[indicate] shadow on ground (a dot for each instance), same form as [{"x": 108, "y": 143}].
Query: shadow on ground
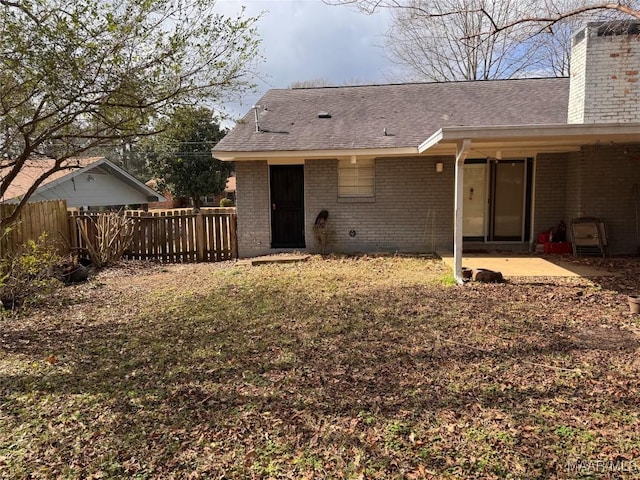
[{"x": 257, "y": 377}]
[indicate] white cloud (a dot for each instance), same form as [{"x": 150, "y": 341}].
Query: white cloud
[{"x": 307, "y": 40}]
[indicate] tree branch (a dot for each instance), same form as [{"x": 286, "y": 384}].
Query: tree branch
[
  {"x": 549, "y": 21},
  {"x": 20, "y": 6}
]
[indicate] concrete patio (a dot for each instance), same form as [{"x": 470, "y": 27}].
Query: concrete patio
[
  {"x": 279, "y": 258},
  {"x": 526, "y": 266}
]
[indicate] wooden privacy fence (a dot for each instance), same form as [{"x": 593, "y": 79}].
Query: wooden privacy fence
[
  {"x": 170, "y": 236},
  {"x": 34, "y": 220}
]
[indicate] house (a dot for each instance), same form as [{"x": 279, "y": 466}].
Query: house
[
  {"x": 435, "y": 166},
  {"x": 169, "y": 202},
  {"x": 229, "y": 193},
  {"x": 92, "y": 182},
  {"x": 183, "y": 202}
]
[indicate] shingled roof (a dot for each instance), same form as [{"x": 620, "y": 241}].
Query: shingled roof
[
  {"x": 35, "y": 167},
  {"x": 289, "y": 118}
]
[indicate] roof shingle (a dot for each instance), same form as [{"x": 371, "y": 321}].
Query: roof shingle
[{"x": 410, "y": 113}]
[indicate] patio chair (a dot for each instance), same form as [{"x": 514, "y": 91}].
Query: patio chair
[{"x": 589, "y": 236}]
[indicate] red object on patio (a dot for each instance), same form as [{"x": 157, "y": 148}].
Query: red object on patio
[
  {"x": 543, "y": 237},
  {"x": 558, "y": 247}
]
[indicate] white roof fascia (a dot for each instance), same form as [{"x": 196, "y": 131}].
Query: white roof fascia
[
  {"x": 432, "y": 141},
  {"x": 229, "y": 156},
  {"x": 521, "y": 135},
  {"x": 551, "y": 138},
  {"x": 133, "y": 181}
]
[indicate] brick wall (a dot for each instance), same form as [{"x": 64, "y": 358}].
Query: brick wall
[
  {"x": 610, "y": 178},
  {"x": 599, "y": 181},
  {"x": 413, "y": 206},
  {"x": 573, "y": 195},
  {"x": 578, "y": 60},
  {"x": 550, "y": 191},
  {"x": 605, "y": 76},
  {"x": 412, "y": 210},
  {"x": 252, "y": 202}
]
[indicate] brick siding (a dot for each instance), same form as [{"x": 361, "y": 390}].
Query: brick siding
[
  {"x": 577, "y": 83},
  {"x": 412, "y": 210},
  {"x": 550, "y": 191},
  {"x": 605, "y": 83},
  {"x": 252, "y": 202},
  {"x": 610, "y": 175},
  {"x": 599, "y": 181}
]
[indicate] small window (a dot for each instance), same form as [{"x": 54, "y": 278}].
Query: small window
[{"x": 356, "y": 179}]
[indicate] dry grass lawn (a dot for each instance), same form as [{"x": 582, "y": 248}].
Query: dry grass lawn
[{"x": 335, "y": 368}]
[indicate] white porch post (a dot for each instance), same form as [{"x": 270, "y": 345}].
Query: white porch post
[{"x": 461, "y": 154}]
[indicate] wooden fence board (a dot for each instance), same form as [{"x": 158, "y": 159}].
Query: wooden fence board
[
  {"x": 233, "y": 235},
  {"x": 186, "y": 237},
  {"x": 179, "y": 235},
  {"x": 34, "y": 220},
  {"x": 219, "y": 248},
  {"x": 171, "y": 236},
  {"x": 170, "y": 246},
  {"x": 224, "y": 231}
]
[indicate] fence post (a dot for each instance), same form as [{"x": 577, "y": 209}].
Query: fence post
[
  {"x": 72, "y": 229},
  {"x": 233, "y": 234},
  {"x": 200, "y": 240}
]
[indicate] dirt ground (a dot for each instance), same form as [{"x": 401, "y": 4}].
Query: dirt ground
[{"x": 339, "y": 367}]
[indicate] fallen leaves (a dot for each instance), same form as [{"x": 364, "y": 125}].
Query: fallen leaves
[{"x": 346, "y": 368}]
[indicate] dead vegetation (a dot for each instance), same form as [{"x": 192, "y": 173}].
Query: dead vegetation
[{"x": 338, "y": 368}]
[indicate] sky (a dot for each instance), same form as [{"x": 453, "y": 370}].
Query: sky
[{"x": 308, "y": 40}]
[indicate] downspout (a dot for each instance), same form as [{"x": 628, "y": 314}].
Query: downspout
[{"x": 461, "y": 154}]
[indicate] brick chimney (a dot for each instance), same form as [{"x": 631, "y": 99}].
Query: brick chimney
[{"x": 605, "y": 73}]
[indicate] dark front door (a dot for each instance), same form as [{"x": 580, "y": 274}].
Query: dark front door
[{"x": 287, "y": 206}]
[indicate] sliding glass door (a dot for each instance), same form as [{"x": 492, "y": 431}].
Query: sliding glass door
[
  {"x": 508, "y": 184},
  {"x": 497, "y": 200}
]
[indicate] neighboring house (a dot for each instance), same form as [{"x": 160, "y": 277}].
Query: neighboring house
[
  {"x": 169, "y": 202},
  {"x": 229, "y": 192},
  {"x": 183, "y": 202},
  {"x": 84, "y": 182},
  {"x": 230, "y": 189},
  {"x": 419, "y": 167}
]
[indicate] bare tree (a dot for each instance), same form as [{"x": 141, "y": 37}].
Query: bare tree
[
  {"x": 314, "y": 82},
  {"x": 553, "y": 43},
  {"x": 454, "y": 44},
  {"x": 323, "y": 82},
  {"x": 483, "y": 39},
  {"x": 543, "y": 13}
]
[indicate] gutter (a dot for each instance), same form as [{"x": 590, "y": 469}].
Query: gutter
[
  {"x": 232, "y": 156},
  {"x": 432, "y": 141},
  {"x": 552, "y": 137},
  {"x": 532, "y": 132}
]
